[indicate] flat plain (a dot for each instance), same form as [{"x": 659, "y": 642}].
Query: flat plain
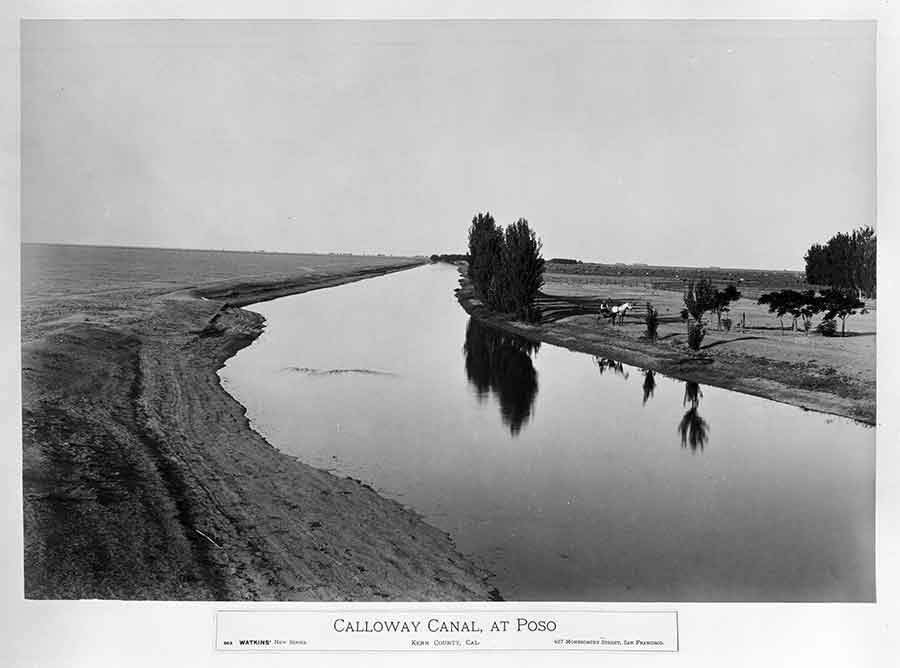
[
  {"x": 765, "y": 357},
  {"x": 142, "y": 478}
]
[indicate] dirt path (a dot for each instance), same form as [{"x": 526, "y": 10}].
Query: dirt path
[
  {"x": 791, "y": 371},
  {"x": 143, "y": 479}
]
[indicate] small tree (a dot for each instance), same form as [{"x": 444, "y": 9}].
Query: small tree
[
  {"x": 699, "y": 297},
  {"x": 723, "y": 300},
  {"x": 783, "y": 302},
  {"x": 652, "y": 322},
  {"x": 808, "y": 305},
  {"x": 840, "y": 303}
]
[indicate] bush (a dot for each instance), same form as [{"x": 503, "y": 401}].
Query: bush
[
  {"x": 827, "y": 328},
  {"x": 652, "y": 322},
  {"x": 696, "y": 332},
  {"x": 451, "y": 258},
  {"x": 840, "y": 303}
]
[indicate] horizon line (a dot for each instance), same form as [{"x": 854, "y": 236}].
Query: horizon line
[{"x": 383, "y": 254}]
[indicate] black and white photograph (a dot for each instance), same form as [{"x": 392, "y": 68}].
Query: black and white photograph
[{"x": 449, "y": 311}]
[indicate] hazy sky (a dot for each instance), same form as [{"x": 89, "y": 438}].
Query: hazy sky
[{"x": 695, "y": 143}]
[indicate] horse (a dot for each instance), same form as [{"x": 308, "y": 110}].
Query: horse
[{"x": 616, "y": 312}]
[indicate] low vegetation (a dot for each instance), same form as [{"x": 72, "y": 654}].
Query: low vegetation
[
  {"x": 696, "y": 333},
  {"x": 451, "y": 258}
]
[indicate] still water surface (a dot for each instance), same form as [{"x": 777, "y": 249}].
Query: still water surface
[{"x": 568, "y": 476}]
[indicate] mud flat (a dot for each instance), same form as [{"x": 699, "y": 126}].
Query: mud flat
[
  {"x": 831, "y": 375},
  {"x": 142, "y": 476}
]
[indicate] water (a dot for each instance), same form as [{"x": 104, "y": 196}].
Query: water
[{"x": 569, "y": 477}]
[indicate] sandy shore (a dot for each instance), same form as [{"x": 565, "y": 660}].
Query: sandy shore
[
  {"x": 143, "y": 479},
  {"x": 808, "y": 376}
]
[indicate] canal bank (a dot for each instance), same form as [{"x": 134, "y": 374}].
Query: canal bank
[
  {"x": 802, "y": 383},
  {"x": 567, "y": 476},
  {"x": 144, "y": 480}
]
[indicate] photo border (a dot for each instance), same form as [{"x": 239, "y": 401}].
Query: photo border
[{"x": 89, "y": 633}]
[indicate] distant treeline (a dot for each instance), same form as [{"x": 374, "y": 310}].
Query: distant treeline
[
  {"x": 563, "y": 260},
  {"x": 450, "y": 257},
  {"x": 846, "y": 261}
]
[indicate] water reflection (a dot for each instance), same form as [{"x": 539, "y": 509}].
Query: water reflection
[
  {"x": 605, "y": 364},
  {"x": 694, "y": 430},
  {"x": 583, "y": 501},
  {"x": 500, "y": 362},
  {"x": 649, "y": 384}
]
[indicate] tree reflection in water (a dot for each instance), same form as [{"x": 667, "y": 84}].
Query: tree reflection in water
[
  {"x": 694, "y": 430},
  {"x": 649, "y": 384},
  {"x": 500, "y": 362},
  {"x": 604, "y": 364}
]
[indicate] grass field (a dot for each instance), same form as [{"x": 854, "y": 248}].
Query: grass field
[
  {"x": 751, "y": 282},
  {"x": 830, "y": 374}
]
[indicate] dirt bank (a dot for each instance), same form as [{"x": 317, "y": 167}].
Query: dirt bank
[
  {"x": 810, "y": 372},
  {"x": 143, "y": 479}
]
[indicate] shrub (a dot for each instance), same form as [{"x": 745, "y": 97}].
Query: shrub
[
  {"x": 696, "y": 332},
  {"x": 840, "y": 303},
  {"x": 827, "y": 328},
  {"x": 722, "y": 301},
  {"x": 450, "y": 258},
  {"x": 652, "y": 322}
]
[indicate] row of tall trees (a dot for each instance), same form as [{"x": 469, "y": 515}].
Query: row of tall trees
[
  {"x": 505, "y": 265},
  {"x": 846, "y": 261}
]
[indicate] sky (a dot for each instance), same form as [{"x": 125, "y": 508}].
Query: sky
[{"x": 724, "y": 143}]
